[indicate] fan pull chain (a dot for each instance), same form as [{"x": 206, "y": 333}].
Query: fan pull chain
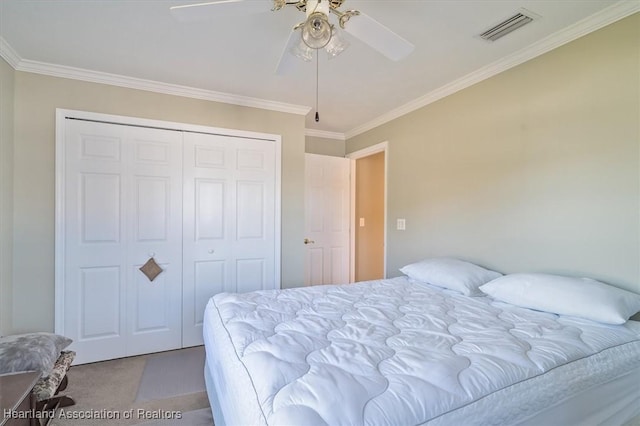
[{"x": 317, "y": 84}]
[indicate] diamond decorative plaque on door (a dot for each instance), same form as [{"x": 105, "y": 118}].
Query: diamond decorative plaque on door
[{"x": 151, "y": 269}]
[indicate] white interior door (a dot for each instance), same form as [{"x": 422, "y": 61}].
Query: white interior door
[
  {"x": 327, "y": 215},
  {"x": 122, "y": 200},
  {"x": 230, "y": 222}
]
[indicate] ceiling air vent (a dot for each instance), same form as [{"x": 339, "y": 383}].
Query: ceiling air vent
[{"x": 518, "y": 20}]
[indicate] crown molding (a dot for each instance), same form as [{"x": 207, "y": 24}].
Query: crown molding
[
  {"x": 9, "y": 55},
  {"x": 324, "y": 134},
  {"x": 598, "y": 20},
  {"x": 581, "y": 28},
  {"x": 19, "y": 64}
]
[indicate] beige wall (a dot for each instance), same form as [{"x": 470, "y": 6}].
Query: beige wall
[
  {"x": 6, "y": 195},
  {"x": 324, "y": 146},
  {"x": 37, "y": 97},
  {"x": 535, "y": 169},
  {"x": 369, "y": 250}
]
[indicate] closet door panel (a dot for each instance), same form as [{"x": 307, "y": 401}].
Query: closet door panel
[
  {"x": 122, "y": 205},
  {"x": 152, "y": 311},
  {"x": 99, "y": 207},
  {"x": 250, "y": 275},
  {"x": 250, "y": 207},
  {"x": 207, "y": 195},
  {"x": 229, "y": 192},
  {"x": 254, "y": 232},
  {"x": 152, "y": 208},
  {"x": 155, "y": 232},
  {"x": 94, "y": 235},
  {"x": 209, "y": 279},
  {"x": 99, "y": 303},
  {"x": 209, "y": 209}
]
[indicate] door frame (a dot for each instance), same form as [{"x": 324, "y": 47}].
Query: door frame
[
  {"x": 353, "y": 156},
  {"x": 63, "y": 114}
]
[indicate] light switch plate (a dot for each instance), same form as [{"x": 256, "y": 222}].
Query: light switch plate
[
  {"x": 401, "y": 224},
  {"x": 361, "y": 221}
]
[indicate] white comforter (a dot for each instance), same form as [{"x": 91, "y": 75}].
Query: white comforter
[{"x": 390, "y": 352}]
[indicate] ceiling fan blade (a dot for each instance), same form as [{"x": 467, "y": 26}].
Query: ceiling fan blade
[
  {"x": 286, "y": 58},
  {"x": 203, "y": 11},
  {"x": 379, "y": 37}
]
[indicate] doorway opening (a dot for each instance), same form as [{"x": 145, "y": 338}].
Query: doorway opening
[{"x": 368, "y": 212}]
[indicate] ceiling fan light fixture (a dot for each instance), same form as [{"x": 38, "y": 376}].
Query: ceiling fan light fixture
[
  {"x": 302, "y": 51},
  {"x": 316, "y": 31},
  {"x": 337, "y": 44}
]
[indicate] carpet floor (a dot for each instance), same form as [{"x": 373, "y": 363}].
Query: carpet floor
[
  {"x": 171, "y": 374},
  {"x": 201, "y": 417},
  {"x": 114, "y": 392}
]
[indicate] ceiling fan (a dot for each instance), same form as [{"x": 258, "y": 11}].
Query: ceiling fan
[{"x": 316, "y": 32}]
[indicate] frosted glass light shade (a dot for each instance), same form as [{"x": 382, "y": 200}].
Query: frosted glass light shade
[
  {"x": 316, "y": 31},
  {"x": 302, "y": 51},
  {"x": 337, "y": 44}
]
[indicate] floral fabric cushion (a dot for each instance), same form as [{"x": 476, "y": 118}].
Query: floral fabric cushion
[
  {"x": 46, "y": 387},
  {"x": 31, "y": 352}
]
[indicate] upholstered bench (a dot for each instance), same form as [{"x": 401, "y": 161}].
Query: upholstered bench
[
  {"x": 47, "y": 389},
  {"x": 44, "y": 353}
]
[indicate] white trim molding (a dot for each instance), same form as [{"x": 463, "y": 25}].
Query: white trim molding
[
  {"x": 9, "y": 55},
  {"x": 324, "y": 134},
  {"x": 62, "y": 71},
  {"x": 581, "y": 28},
  {"x": 607, "y": 16},
  {"x": 370, "y": 150}
]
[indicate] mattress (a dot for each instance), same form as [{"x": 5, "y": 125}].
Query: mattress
[{"x": 395, "y": 351}]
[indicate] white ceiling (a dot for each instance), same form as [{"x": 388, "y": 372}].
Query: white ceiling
[{"x": 238, "y": 55}]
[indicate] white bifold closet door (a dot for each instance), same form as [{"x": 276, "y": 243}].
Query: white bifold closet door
[
  {"x": 123, "y": 205},
  {"x": 229, "y": 225},
  {"x": 202, "y": 205}
]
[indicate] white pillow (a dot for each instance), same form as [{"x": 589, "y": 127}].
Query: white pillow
[
  {"x": 451, "y": 273},
  {"x": 578, "y": 297}
]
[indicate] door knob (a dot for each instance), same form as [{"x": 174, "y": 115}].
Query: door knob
[{"x": 308, "y": 241}]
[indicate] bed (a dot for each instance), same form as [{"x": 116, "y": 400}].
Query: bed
[{"x": 404, "y": 352}]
